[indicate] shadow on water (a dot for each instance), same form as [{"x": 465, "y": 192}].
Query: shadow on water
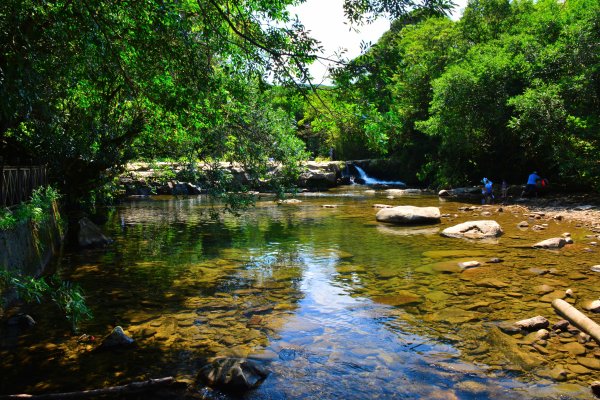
[{"x": 336, "y": 304}]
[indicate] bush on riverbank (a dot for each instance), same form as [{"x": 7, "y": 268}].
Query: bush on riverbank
[
  {"x": 37, "y": 217},
  {"x": 37, "y": 210}
]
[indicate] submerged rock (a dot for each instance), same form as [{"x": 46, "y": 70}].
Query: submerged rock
[
  {"x": 409, "y": 215},
  {"x": 233, "y": 374},
  {"x": 90, "y": 235},
  {"x": 474, "y": 230},
  {"x": 382, "y": 206}
]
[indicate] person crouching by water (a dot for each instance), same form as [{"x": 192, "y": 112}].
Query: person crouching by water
[
  {"x": 504, "y": 190},
  {"x": 487, "y": 191},
  {"x": 531, "y": 187}
]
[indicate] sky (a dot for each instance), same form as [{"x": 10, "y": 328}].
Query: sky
[{"x": 326, "y": 22}]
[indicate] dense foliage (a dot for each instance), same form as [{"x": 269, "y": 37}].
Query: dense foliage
[
  {"x": 36, "y": 211},
  {"x": 511, "y": 87},
  {"x": 88, "y": 86}
]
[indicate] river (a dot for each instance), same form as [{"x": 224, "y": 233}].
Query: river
[{"x": 333, "y": 303}]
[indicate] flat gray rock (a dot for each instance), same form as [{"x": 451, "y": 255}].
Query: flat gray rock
[
  {"x": 553, "y": 243},
  {"x": 409, "y": 215}
]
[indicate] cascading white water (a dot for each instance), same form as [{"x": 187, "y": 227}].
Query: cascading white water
[{"x": 372, "y": 181}]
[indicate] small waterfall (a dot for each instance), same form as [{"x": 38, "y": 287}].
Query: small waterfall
[{"x": 372, "y": 181}]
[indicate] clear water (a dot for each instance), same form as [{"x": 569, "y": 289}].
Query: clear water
[{"x": 335, "y": 304}]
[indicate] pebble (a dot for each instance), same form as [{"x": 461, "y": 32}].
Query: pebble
[{"x": 595, "y": 268}]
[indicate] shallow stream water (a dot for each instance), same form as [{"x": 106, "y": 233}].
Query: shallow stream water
[{"x": 335, "y": 304}]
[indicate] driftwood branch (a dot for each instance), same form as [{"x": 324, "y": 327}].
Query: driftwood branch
[
  {"x": 134, "y": 387},
  {"x": 577, "y": 318}
]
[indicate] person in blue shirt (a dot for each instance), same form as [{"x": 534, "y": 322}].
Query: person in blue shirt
[
  {"x": 531, "y": 187},
  {"x": 487, "y": 191}
]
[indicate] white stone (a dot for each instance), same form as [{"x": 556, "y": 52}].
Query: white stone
[
  {"x": 409, "y": 215},
  {"x": 474, "y": 230}
]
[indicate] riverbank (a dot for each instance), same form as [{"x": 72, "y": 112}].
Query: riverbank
[{"x": 581, "y": 208}]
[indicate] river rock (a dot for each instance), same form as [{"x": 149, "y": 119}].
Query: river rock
[
  {"x": 593, "y": 306},
  {"x": 474, "y": 230},
  {"x": 117, "y": 338},
  {"x": 595, "y": 268},
  {"x": 533, "y": 324},
  {"x": 409, "y": 215},
  {"x": 236, "y": 375},
  {"x": 90, "y": 235},
  {"x": 443, "y": 193},
  {"x": 509, "y": 327},
  {"x": 559, "y": 374},
  {"x": 382, "y": 206},
  {"x": 573, "y": 348},
  {"x": 588, "y": 362},
  {"x": 400, "y": 298},
  {"x": 595, "y": 386},
  {"x": 469, "y": 264},
  {"x": 289, "y": 201},
  {"x": 523, "y": 224},
  {"x": 553, "y": 243},
  {"x": 561, "y": 325},
  {"x": 22, "y": 320}
]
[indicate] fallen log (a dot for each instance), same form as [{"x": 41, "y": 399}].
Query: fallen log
[
  {"x": 577, "y": 318},
  {"x": 131, "y": 388}
]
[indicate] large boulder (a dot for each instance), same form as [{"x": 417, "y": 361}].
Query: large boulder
[
  {"x": 474, "y": 230},
  {"x": 90, "y": 234},
  {"x": 409, "y": 215},
  {"x": 236, "y": 375}
]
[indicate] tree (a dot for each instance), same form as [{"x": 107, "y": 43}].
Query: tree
[{"x": 87, "y": 86}]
